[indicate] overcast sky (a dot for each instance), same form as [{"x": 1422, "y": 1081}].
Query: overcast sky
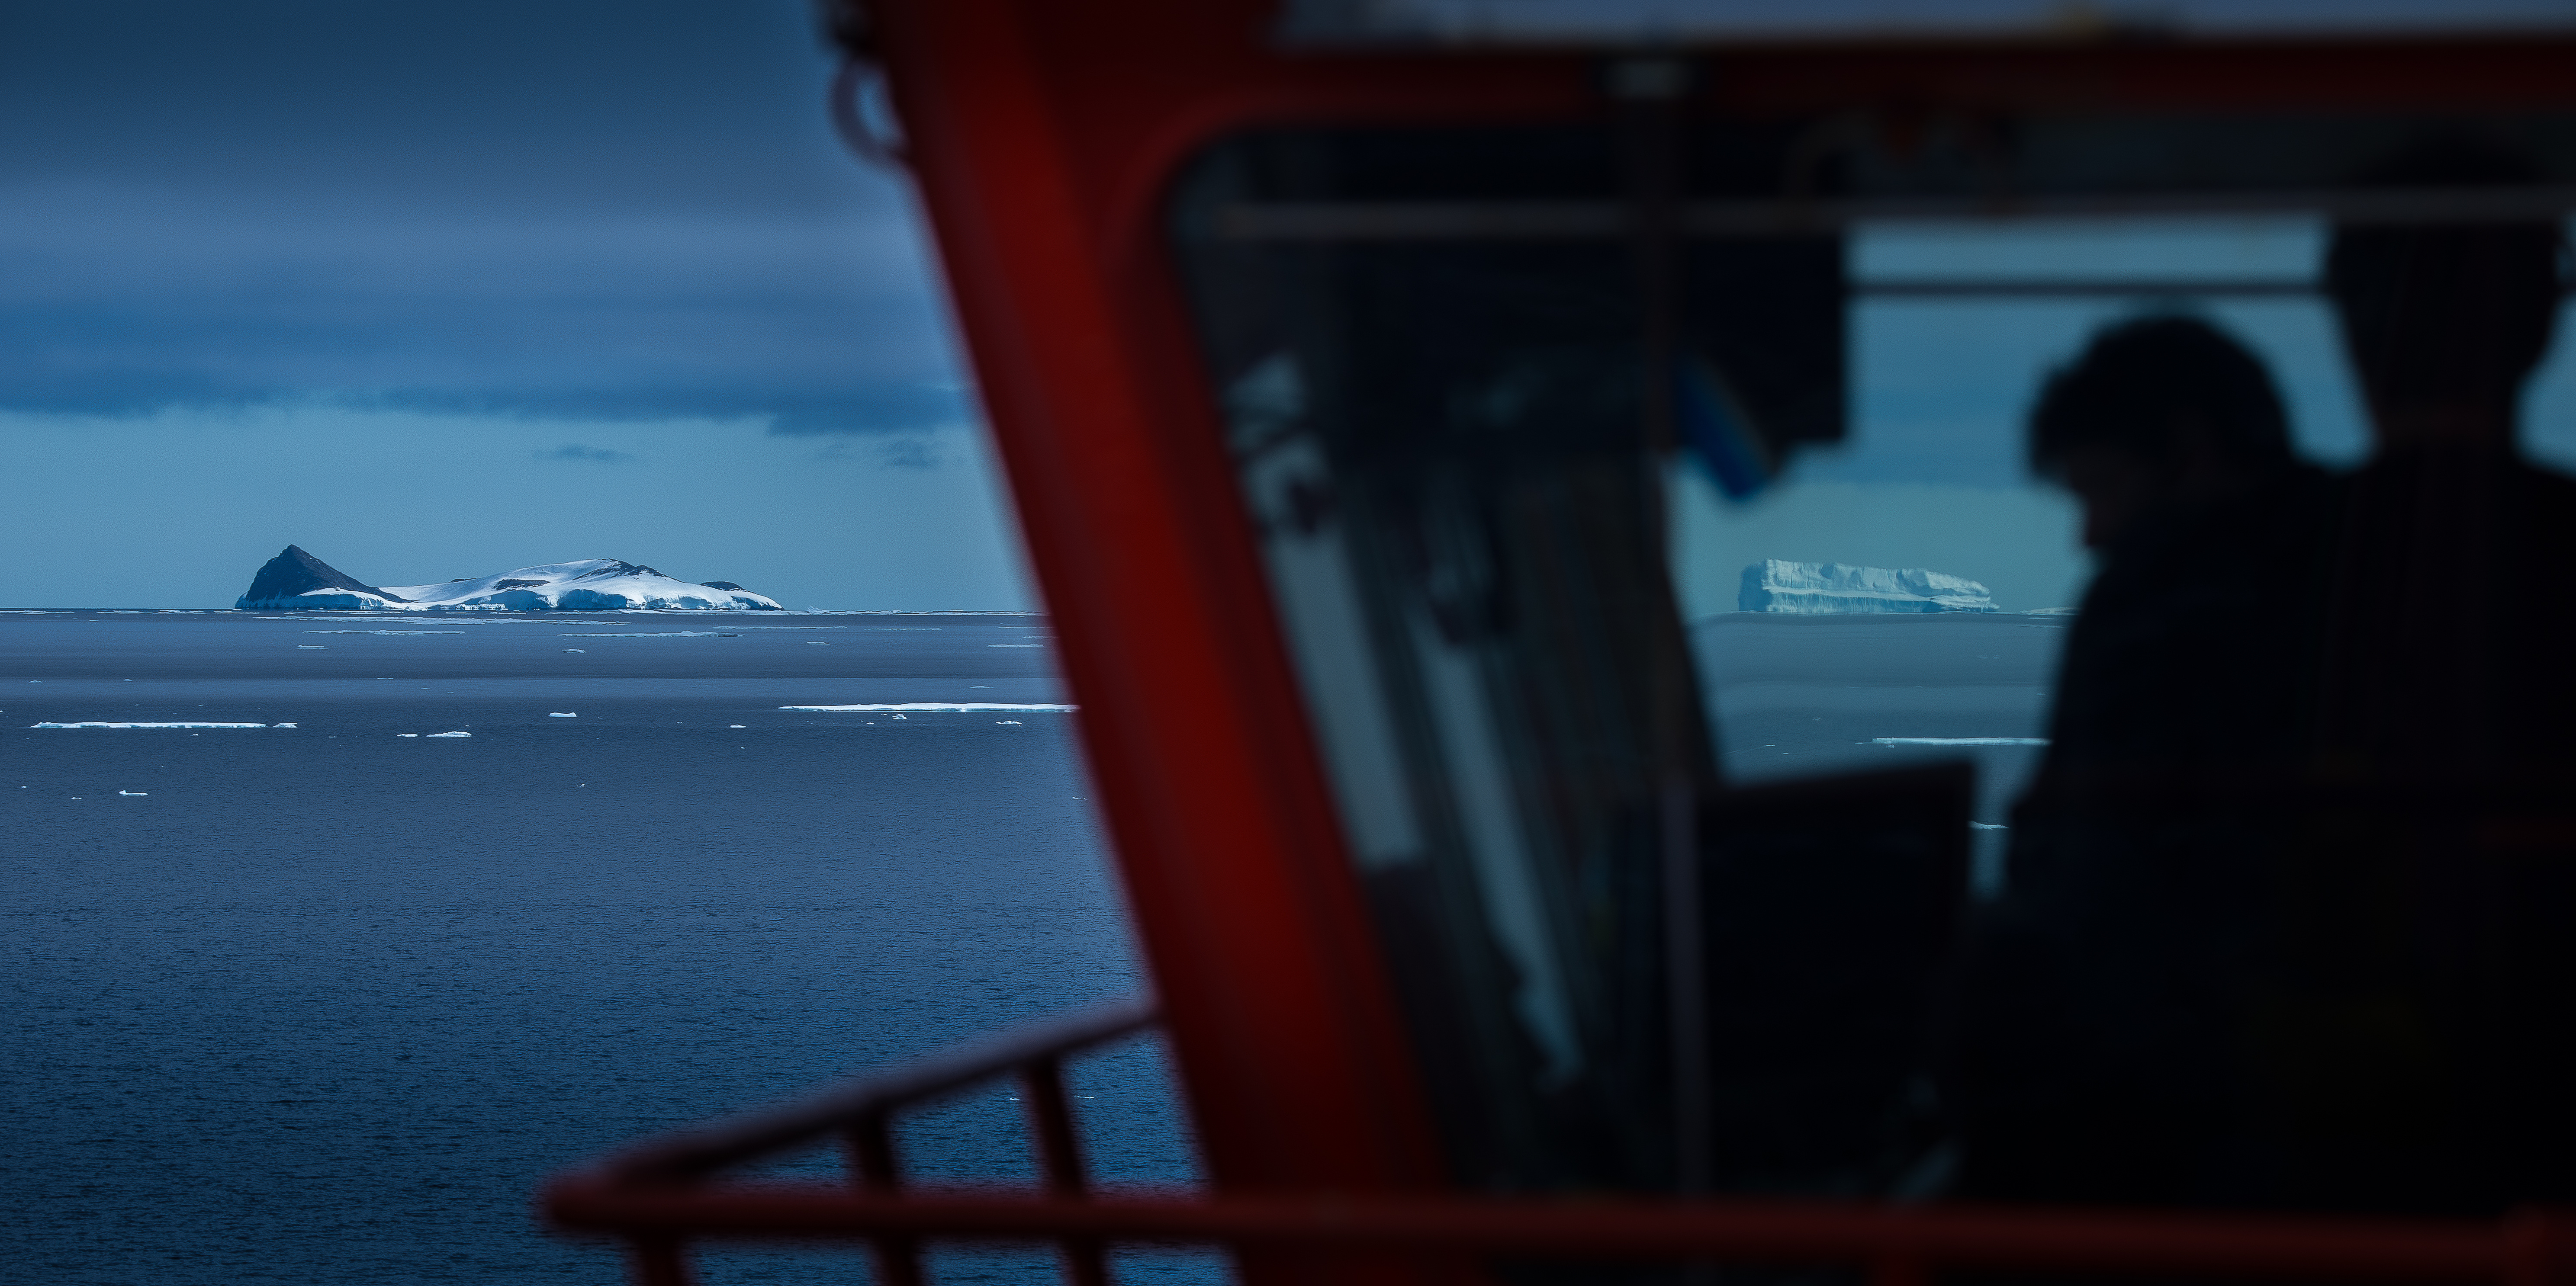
[{"x": 435, "y": 290}]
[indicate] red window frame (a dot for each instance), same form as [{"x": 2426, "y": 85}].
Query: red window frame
[{"x": 1043, "y": 134}]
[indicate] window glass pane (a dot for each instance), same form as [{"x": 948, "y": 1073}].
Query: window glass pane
[{"x": 1676, "y": 611}]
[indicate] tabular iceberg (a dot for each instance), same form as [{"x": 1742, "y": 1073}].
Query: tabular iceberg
[
  {"x": 1816, "y": 589},
  {"x": 296, "y": 579}
]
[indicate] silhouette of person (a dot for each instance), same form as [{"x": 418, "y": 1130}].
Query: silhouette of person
[
  {"x": 2095, "y": 1058},
  {"x": 2412, "y": 1035}
]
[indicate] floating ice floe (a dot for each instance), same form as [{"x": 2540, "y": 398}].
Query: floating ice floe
[
  {"x": 312, "y": 647},
  {"x": 666, "y": 634},
  {"x": 435, "y": 735},
  {"x": 146, "y": 725},
  {"x": 563, "y": 714},
  {"x": 816, "y": 643},
  {"x": 1006, "y": 723},
  {"x": 733, "y": 725},
  {"x": 574, "y": 650},
  {"x": 1015, "y": 645},
  {"x": 393, "y": 632},
  {"x": 1988, "y": 826},
  {"x": 968, "y": 707},
  {"x": 135, "y": 794},
  {"x": 406, "y": 734},
  {"x": 281, "y": 725},
  {"x": 1958, "y": 741}
]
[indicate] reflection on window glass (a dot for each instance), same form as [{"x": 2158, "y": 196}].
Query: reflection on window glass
[
  {"x": 1677, "y": 619},
  {"x": 1933, "y": 476}
]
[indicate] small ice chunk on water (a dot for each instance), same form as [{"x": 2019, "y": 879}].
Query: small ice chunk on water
[
  {"x": 135, "y": 794},
  {"x": 563, "y": 714},
  {"x": 733, "y": 725},
  {"x": 312, "y": 647},
  {"x": 1008, "y": 723},
  {"x": 406, "y": 734},
  {"x": 574, "y": 650},
  {"x": 282, "y": 725},
  {"x": 1988, "y": 826},
  {"x": 1958, "y": 741},
  {"x": 436, "y": 735},
  {"x": 816, "y": 643}
]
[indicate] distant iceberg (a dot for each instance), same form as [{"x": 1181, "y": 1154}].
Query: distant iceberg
[
  {"x": 1818, "y": 589},
  {"x": 296, "y": 580}
]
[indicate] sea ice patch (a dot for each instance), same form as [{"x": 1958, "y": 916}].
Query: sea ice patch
[
  {"x": 146, "y": 725},
  {"x": 563, "y": 714},
  {"x": 435, "y": 735},
  {"x": 1958, "y": 741},
  {"x": 968, "y": 707}
]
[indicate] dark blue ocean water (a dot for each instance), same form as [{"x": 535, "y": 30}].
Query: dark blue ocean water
[{"x": 327, "y": 1004}]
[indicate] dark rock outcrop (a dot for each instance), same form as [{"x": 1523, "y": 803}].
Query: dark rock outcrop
[
  {"x": 724, "y": 584},
  {"x": 294, "y": 573}
]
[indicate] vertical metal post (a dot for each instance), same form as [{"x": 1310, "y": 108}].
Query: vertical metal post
[
  {"x": 873, "y": 1166},
  {"x": 1896, "y": 1269},
  {"x": 2535, "y": 1244},
  {"x": 1060, "y": 1159},
  {"x": 660, "y": 1261},
  {"x": 1649, "y": 91},
  {"x": 1686, "y": 986}
]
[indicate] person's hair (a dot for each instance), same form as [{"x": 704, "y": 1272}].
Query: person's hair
[
  {"x": 2138, "y": 381},
  {"x": 2448, "y": 313}
]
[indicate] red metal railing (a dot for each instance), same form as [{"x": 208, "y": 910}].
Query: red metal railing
[{"x": 659, "y": 1197}]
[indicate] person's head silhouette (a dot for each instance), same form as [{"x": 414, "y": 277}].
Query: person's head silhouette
[
  {"x": 2156, "y": 411},
  {"x": 2445, "y": 321}
]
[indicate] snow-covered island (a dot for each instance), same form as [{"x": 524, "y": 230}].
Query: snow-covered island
[
  {"x": 1816, "y": 589},
  {"x": 297, "y": 580}
]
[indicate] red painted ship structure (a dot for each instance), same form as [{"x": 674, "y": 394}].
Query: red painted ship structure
[{"x": 1309, "y": 336}]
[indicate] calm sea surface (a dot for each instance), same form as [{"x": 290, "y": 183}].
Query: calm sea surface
[{"x": 326, "y": 1004}]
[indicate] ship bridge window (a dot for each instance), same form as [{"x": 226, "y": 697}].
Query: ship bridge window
[{"x": 1674, "y": 605}]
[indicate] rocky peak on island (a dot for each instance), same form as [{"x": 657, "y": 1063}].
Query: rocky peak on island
[{"x": 298, "y": 580}]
